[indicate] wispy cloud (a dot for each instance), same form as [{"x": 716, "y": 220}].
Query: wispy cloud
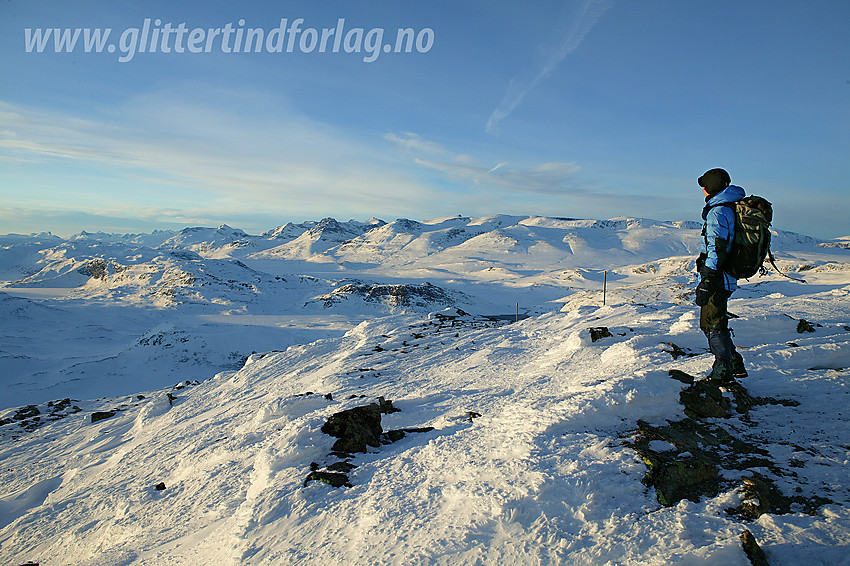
[
  {"x": 236, "y": 152},
  {"x": 571, "y": 32},
  {"x": 414, "y": 142},
  {"x": 546, "y": 178}
]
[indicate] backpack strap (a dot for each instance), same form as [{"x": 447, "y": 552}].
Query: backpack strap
[{"x": 773, "y": 263}]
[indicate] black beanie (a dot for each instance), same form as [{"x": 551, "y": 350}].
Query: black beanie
[{"x": 714, "y": 181}]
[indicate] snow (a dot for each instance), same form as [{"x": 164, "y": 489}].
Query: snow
[{"x": 525, "y": 462}]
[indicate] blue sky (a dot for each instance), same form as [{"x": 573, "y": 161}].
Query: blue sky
[{"x": 580, "y": 108}]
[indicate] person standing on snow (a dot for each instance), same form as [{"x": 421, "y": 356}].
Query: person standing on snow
[{"x": 716, "y": 286}]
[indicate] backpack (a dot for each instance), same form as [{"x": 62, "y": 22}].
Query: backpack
[{"x": 751, "y": 242}]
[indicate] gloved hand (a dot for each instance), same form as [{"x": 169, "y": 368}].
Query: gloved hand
[{"x": 710, "y": 282}]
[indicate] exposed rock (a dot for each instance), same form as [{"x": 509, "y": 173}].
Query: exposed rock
[
  {"x": 677, "y": 352},
  {"x": 59, "y": 405},
  {"x": 704, "y": 399},
  {"x": 101, "y": 415},
  {"x": 343, "y": 467},
  {"x": 160, "y": 486},
  {"x": 359, "y": 427},
  {"x": 687, "y": 478},
  {"x": 333, "y": 479},
  {"x": 26, "y": 412},
  {"x": 700, "y": 450},
  {"x": 392, "y": 436},
  {"x": 395, "y": 435},
  {"x": 676, "y": 474},
  {"x": 691, "y": 470},
  {"x": 743, "y": 400},
  {"x": 760, "y": 495},
  {"x": 31, "y": 417},
  {"x": 96, "y": 269},
  {"x": 599, "y": 332},
  {"x": 424, "y": 295},
  {"x": 804, "y": 325},
  {"x": 753, "y": 550}
]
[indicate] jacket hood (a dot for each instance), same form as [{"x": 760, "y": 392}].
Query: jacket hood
[{"x": 732, "y": 193}]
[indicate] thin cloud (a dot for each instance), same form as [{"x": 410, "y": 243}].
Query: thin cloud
[
  {"x": 466, "y": 170},
  {"x": 169, "y": 148},
  {"x": 547, "y": 178},
  {"x": 587, "y": 15},
  {"x": 414, "y": 142}
]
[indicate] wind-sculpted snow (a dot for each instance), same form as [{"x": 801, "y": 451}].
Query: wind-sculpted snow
[
  {"x": 513, "y": 442},
  {"x": 520, "y": 455}
]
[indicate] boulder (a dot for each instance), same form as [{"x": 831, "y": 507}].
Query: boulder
[
  {"x": 359, "y": 427},
  {"x": 101, "y": 415},
  {"x": 753, "y": 550},
  {"x": 599, "y": 332}
]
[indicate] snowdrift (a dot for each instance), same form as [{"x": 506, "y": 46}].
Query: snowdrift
[{"x": 492, "y": 440}]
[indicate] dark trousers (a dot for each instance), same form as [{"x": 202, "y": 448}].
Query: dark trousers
[{"x": 714, "y": 322}]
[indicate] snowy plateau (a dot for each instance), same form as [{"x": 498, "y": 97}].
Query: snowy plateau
[{"x": 500, "y": 390}]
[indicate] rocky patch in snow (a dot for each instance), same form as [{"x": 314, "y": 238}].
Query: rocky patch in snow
[
  {"x": 693, "y": 457},
  {"x": 30, "y": 417},
  {"x": 357, "y": 429},
  {"x": 422, "y": 297}
]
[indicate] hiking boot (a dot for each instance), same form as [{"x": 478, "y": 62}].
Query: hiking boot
[
  {"x": 738, "y": 369},
  {"x": 721, "y": 372}
]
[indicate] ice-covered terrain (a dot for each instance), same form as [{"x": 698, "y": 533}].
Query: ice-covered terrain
[{"x": 528, "y": 442}]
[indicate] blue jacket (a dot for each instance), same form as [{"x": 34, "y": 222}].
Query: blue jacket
[{"x": 720, "y": 223}]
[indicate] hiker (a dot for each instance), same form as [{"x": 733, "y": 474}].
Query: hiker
[{"x": 716, "y": 286}]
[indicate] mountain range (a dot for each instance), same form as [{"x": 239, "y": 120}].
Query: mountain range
[{"x": 182, "y": 397}]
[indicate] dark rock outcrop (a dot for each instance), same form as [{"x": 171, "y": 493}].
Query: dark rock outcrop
[
  {"x": 333, "y": 479},
  {"x": 677, "y": 351},
  {"x": 599, "y": 332},
  {"x": 689, "y": 460},
  {"x": 704, "y": 399},
  {"x": 359, "y": 427},
  {"x": 101, "y": 415},
  {"x": 753, "y": 550},
  {"x": 96, "y": 269},
  {"x": 691, "y": 469},
  {"x": 760, "y": 495},
  {"x": 424, "y": 295}
]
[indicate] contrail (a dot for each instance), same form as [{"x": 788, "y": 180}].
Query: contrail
[{"x": 588, "y": 14}]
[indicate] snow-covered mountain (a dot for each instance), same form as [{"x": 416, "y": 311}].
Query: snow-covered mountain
[
  {"x": 556, "y": 439},
  {"x": 205, "y": 280}
]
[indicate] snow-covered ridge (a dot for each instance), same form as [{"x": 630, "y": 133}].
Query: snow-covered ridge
[
  {"x": 330, "y": 240},
  {"x": 511, "y": 443},
  {"x": 519, "y": 450}
]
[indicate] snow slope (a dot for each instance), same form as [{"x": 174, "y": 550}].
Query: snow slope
[{"x": 519, "y": 453}]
